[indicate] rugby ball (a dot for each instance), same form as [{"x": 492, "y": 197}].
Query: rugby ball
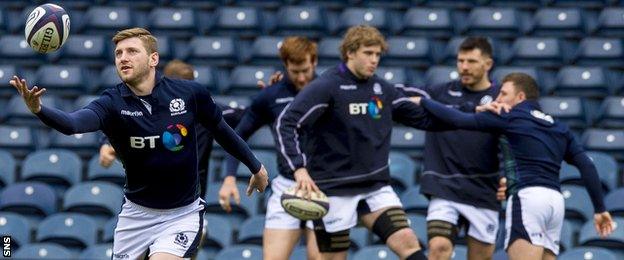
[
  {"x": 47, "y": 28},
  {"x": 299, "y": 207}
]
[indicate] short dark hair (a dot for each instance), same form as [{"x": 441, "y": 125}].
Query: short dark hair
[
  {"x": 480, "y": 43},
  {"x": 525, "y": 83},
  {"x": 178, "y": 69}
]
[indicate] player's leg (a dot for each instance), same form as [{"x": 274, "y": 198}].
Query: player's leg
[
  {"x": 132, "y": 236},
  {"x": 278, "y": 244},
  {"x": 481, "y": 232},
  {"x": 332, "y": 231},
  {"x": 179, "y": 233},
  {"x": 548, "y": 255},
  {"x": 385, "y": 217},
  {"x": 479, "y": 250},
  {"x": 165, "y": 256},
  {"x": 442, "y": 229},
  {"x": 311, "y": 246},
  {"x": 522, "y": 249}
]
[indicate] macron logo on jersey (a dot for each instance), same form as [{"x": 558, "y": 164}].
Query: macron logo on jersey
[
  {"x": 131, "y": 113},
  {"x": 348, "y": 87}
]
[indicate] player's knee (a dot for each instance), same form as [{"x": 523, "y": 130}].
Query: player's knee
[
  {"x": 389, "y": 222},
  {"x": 440, "y": 246},
  {"x": 332, "y": 242}
]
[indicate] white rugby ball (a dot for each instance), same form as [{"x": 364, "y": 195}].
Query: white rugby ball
[
  {"x": 47, "y": 28},
  {"x": 299, "y": 207}
]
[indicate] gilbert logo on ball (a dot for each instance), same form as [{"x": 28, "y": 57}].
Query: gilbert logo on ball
[{"x": 47, "y": 28}]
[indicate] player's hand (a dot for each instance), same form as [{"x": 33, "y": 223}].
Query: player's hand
[
  {"x": 502, "y": 189},
  {"x": 107, "y": 155},
  {"x": 416, "y": 99},
  {"x": 258, "y": 181},
  {"x": 228, "y": 189},
  {"x": 304, "y": 183},
  {"x": 32, "y": 97},
  {"x": 277, "y": 76},
  {"x": 603, "y": 224},
  {"x": 494, "y": 107}
]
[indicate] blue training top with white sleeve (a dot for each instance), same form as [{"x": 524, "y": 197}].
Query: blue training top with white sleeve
[
  {"x": 538, "y": 144},
  {"x": 155, "y": 137},
  {"x": 348, "y": 122}
]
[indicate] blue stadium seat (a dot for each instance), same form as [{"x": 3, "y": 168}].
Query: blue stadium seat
[
  {"x": 243, "y": 80},
  {"x": 605, "y": 164},
  {"x": 614, "y": 202},
  {"x": 329, "y": 51},
  {"x": 249, "y": 206},
  {"x": 402, "y": 171},
  {"x": 440, "y": 74},
  {"x": 98, "y": 199},
  {"x": 265, "y": 51},
  {"x": 16, "y": 226},
  {"x": 85, "y": 145},
  {"x": 545, "y": 83},
  {"x": 301, "y": 20},
  {"x": 570, "y": 110},
  {"x": 397, "y": 4},
  {"x": 6, "y": 73},
  {"x": 569, "y": 232},
  {"x": 97, "y": 251},
  {"x": 395, "y": 75},
  {"x": 418, "y": 223},
  {"x": 248, "y": 252},
  {"x": 611, "y": 113},
  {"x": 408, "y": 140},
  {"x": 525, "y": 4},
  {"x": 34, "y": 200},
  {"x": 495, "y": 22},
  {"x": 58, "y": 167},
  {"x": 174, "y": 22},
  {"x": 243, "y": 21},
  {"x": 580, "y": 3},
  {"x": 241, "y": 102},
  {"x": 17, "y": 113},
  {"x": 428, "y": 22},
  {"x": 375, "y": 252},
  {"x": 64, "y": 80},
  {"x": 413, "y": 201},
  {"x": 108, "y": 230},
  {"x": 301, "y": 252},
  {"x": 108, "y": 79},
  {"x": 208, "y": 77},
  {"x": 262, "y": 139},
  {"x": 198, "y": 4},
  {"x": 83, "y": 101},
  {"x": 583, "y": 81},
  {"x": 114, "y": 174},
  {"x": 72, "y": 230},
  {"x": 577, "y": 203},
  {"x": 218, "y": 233},
  {"x": 165, "y": 49},
  {"x": 18, "y": 140},
  {"x": 459, "y": 252},
  {"x": 217, "y": 51},
  {"x": 266, "y": 4},
  {"x": 600, "y": 52},
  {"x": 330, "y": 4},
  {"x": 587, "y": 253},
  {"x": 359, "y": 237},
  {"x": 589, "y": 237},
  {"x": 536, "y": 51},
  {"x": 609, "y": 141},
  {"x": 7, "y": 171},
  {"x": 558, "y": 22},
  {"x": 267, "y": 158},
  {"x": 352, "y": 16},
  {"x": 610, "y": 23},
  {"x": 107, "y": 20},
  {"x": 410, "y": 51},
  {"x": 500, "y": 254},
  {"x": 15, "y": 50},
  {"x": 85, "y": 50},
  {"x": 250, "y": 231},
  {"x": 43, "y": 251}
]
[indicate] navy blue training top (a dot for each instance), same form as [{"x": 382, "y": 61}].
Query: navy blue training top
[
  {"x": 452, "y": 169},
  {"x": 538, "y": 145},
  {"x": 348, "y": 123},
  {"x": 155, "y": 137}
]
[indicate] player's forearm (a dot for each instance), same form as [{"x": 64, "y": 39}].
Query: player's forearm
[
  {"x": 235, "y": 146},
  {"x": 450, "y": 116},
  {"x": 244, "y": 129},
  {"x": 81, "y": 121},
  {"x": 589, "y": 174}
]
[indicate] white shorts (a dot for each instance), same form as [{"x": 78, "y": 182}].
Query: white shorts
[
  {"x": 343, "y": 210},
  {"x": 175, "y": 231},
  {"x": 536, "y": 215},
  {"x": 276, "y": 217},
  {"x": 483, "y": 223}
]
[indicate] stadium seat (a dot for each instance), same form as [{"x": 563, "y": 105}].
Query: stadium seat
[
  {"x": 16, "y": 226},
  {"x": 17, "y": 113},
  {"x": 85, "y": 145},
  {"x": 495, "y": 22},
  {"x": 329, "y": 4},
  {"x": 266, "y": 4},
  {"x": 413, "y": 201},
  {"x": 301, "y": 20},
  {"x": 537, "y": 51},
  {"x": 250, "y": 231},
  {"x": 544, "y": 81},
  {"x": 583, "y": 81},
  {"x": 609, "y": 141},
  {"x": 15, "y": 50},
  {"x": 108, "y": 230},
  {"x": 580, "y": 3},
  {"x": 408, "y": 140},
  {"x": 569, "y": 232},
  {"x": 218, "y": 233},
  {"x": 208, "y": 77},
  {"x": 265, "y": 51},
  {"x": 352, "y": 16},
  {"x": 402, "y": 171},
  {"x": 43, "y": 251},
  {"x": 107, "y": 20},
  {"x": 18, "y": 140},
  {"x": 609, "y": 22},
  {"x": 213, "y": 50},
  {"x": 262, "y": 139},
  {"x": 428, "y": 22},
  {"x": 165, "y": 49},
  {"x": 394, "y": 75},
  {"x": 248, "y": 252},
  {"x": 459, "y": 252},
  {"x": 174, "y": 22},
  {"x": 329, "y": 51},
  {"x": 34, "y": 200},
  {"x": 6, "y": 74},
  {"x": 605, "y": 164},
  {"x": 375, "y": 252},
  {"x": 249, "y": 206},
  {"x": 197, "y": 4},
  {"x": 98, "y": 199},
  {"x": 72, "y": 230},
  {"x": 244, "y": 79},
  {"x": 611, "y": 113},
  {"x": 85, "y": 50},
  {"x": 600, "y": 52},
  {"x": 108, "y": 79},
  {"x": 418, "y": 223},
  {"x": 577, "y": 203},
  {"x": 244, "y": 21},
  {"x": 58, "y": 167},
  {"x": 97, "y": 251},
  {"x": 267, "y": 158},
  {"x": 300, "y": 252},
  {"x": 114, "y": 174},
  {"x": 614, "y": 202},
  {"x": 588, "y": 253},
  {"x": 7, "y": 171},
  {"x": 440, "y": 74},
  {"x": 589, "y": 237},
  {"x": 64, "y": 80},
  {"x": 570, "y": 110},
  {"x": 500, "y": 254},
  {"x": 558, "y": 22},
  {"x": 83, "y": 101},
  {"x": 359, "y": 237},
  {"x": 410, "y": 52}
]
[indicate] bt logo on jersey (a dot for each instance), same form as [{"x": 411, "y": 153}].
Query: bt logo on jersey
[
  {"x": 139, "y": 142},
  {"x": 372, "y": 108}
]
